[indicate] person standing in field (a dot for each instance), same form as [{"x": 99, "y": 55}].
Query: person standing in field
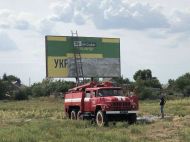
[{"x": 162, "y": 103}]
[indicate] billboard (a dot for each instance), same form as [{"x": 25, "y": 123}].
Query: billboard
[{"x": 100, "y": 57}]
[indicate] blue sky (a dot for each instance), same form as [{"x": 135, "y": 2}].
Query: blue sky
[{"x": 155, "y": 34}]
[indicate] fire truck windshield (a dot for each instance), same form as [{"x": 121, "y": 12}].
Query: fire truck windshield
[{"x": 110, "y": 92}]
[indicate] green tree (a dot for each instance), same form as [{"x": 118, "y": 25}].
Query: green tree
[
  {"x": 5, "y": 76},
  {"x": 48, "y": 86},
  {"x": 183, "y": 81},
  {"x": 144, "y": 78},
  {"x": 181, "y": 84},
  {"x": 11, "y": 78},
  {"x": 171, "y": 83},
  {"x": 143, "y": 75},
  {"x": 2, "y": 90},
  {"x": 147, "y": 86},
  {"x": 186, "y": 91},
  {"x": 22, "y": 94},
  {"x": 37, "y": 90},
  {"x": 121, "y": 80}
]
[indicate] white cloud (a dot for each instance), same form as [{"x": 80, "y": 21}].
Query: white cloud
[
  {"x": 45, "y": 26},
  {"x": 5, "y": 18},
  {"x": 25, "y": 21},
  {"x": 120, "y": 14},
  {"x": 178, "y": 32},
  {"x": 6, "y": 43},
  {"x": 136, "y": 16},
  {"x": 110, "y": 14},
  {"x": 22, "y": 25},
  {"x": 104, "y": 14},
  {"x": 180, "y": 21},
  {"x": 10, "y": 19},
  {"x": 79, "y": 19},
  {"x": 63, "y": 11}
]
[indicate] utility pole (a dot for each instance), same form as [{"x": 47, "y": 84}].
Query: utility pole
[{"x": 29, "y": 81}]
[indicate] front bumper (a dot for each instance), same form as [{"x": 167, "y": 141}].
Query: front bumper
[{"x": 122, "y": 112}]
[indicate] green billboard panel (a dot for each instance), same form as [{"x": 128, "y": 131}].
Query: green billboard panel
[{"x": 100, "y": 57}]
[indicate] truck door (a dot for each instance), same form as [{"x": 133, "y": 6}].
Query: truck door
[
  {"x": 93, "y": 100},
  {"x": 87, "y": 101}
]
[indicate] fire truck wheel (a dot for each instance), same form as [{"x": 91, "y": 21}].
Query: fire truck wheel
[
  {"x": 73, "y": 115},
  {"x": 132, "y": 118},
  {"x": 101, "y": 119}
]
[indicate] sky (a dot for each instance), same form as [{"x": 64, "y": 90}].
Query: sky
[{"x": 154, "y": 34}]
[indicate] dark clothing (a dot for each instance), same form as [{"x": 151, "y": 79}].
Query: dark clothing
[
  {"x": 162, "y": 108},
  {"x": 162, "y": 101}
]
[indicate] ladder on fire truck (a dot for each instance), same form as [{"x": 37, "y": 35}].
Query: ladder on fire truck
[{"x": 77, "y": 58}]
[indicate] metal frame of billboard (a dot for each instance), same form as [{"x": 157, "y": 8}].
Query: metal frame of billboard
[{"x": 88, "y": 57}]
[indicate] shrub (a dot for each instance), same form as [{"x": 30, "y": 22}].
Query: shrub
[
  {"x": 148, "y": 93},
  {"x": 2, "y": 90},
  {"x": 37, "y": 90},
  {"x": 21, "y": 94},
  {"x": 186, "y": 91}
]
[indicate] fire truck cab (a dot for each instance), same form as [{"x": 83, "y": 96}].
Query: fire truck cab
[{"x": 102, "y": 102}]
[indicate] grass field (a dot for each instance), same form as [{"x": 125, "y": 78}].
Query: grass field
[{"x": 42, "y": 119}]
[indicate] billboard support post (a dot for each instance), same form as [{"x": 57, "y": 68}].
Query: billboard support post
[{"x": 92, "y": 78}]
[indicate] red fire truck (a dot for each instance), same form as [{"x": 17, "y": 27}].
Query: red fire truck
[{"x": 101, "y": 102}]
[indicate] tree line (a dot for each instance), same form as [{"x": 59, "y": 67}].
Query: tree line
[
  {"x": 12, "y": 88},
  {"x": 145, "y": 85}
]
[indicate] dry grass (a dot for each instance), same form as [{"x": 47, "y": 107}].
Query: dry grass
[{"x": 42, "y": 119}]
